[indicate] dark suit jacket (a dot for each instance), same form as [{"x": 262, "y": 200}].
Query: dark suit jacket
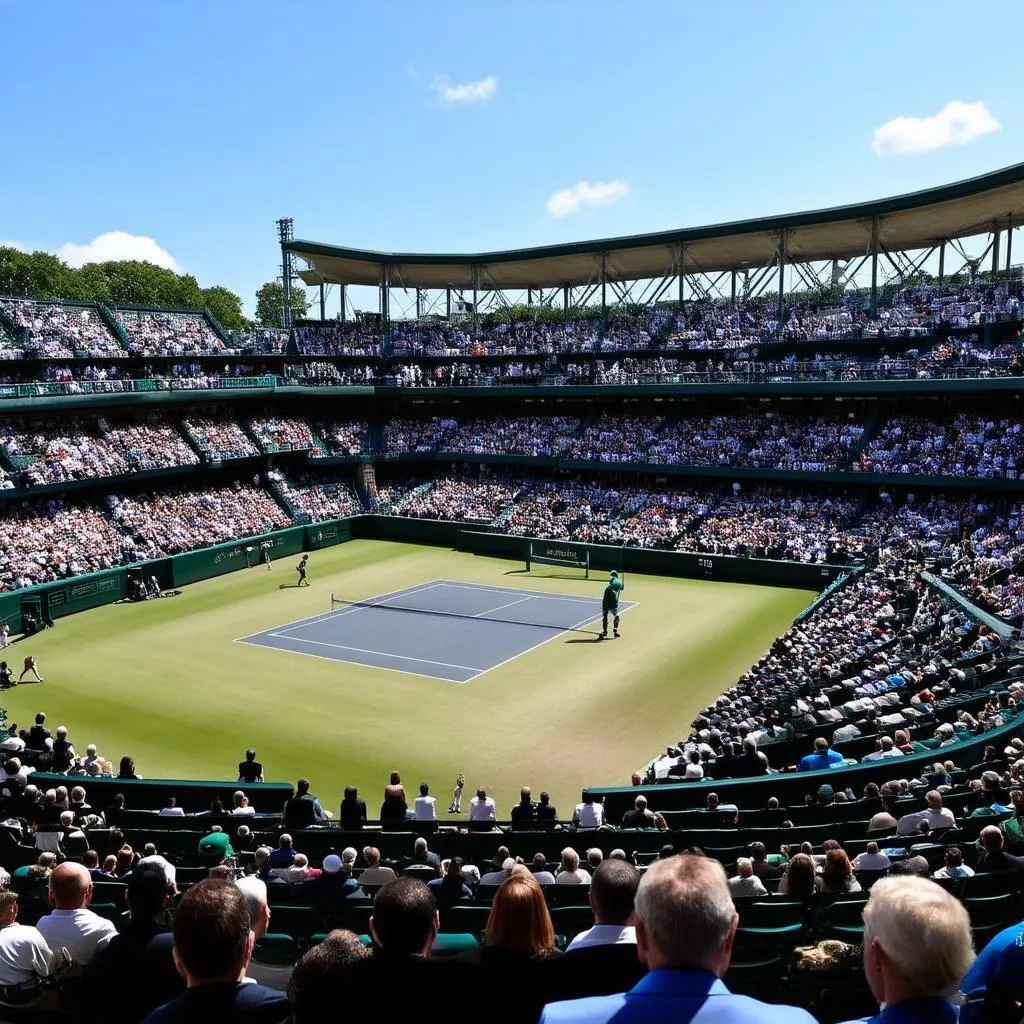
[
  {"x": 595, "y": 971},
  {"x": 225, "y": 1004}
]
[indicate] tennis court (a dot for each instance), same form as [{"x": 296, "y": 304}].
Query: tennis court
[{"x": 444, "y": 629}]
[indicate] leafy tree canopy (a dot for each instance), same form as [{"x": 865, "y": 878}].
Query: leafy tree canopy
[
  {"x": 270, "y": 305},
  {"x": 41, "y": 275}
]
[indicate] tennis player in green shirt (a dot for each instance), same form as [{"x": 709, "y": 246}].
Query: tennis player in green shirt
[{"x": 610, "y": 605}]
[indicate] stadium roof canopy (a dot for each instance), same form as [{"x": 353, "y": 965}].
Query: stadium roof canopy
[{"x": 917, "y": 220}]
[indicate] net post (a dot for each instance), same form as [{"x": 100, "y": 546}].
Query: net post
[
  {"x": 586, "y": 565},
  {"x": 529, "y": 556}
]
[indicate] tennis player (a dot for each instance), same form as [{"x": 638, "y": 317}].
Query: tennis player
[
  {"x": 301, "y": 570},
  {"x": 610, "y": 605},
  {"x": 31, "y": 665}
]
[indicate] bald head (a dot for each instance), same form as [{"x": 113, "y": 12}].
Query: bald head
[{"x": 70, "y": 886}]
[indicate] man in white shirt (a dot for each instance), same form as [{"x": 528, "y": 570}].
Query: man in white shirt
[
  {"x": 745, "y": 882},
  {"x": 481, "y": 807},
  {"x": 71, "y": 925},
  {"x": 612, "y": 891},
  {"x": 24, "y": 954},
  {"x": 172, "y": 810},
  {"x": 588, "y": 814},
  {"x": 426, "y": 805},
  {"x": 886, "y": 749},
  {"x": 871, "y": 859},
  {"x": 497, "y": 877},
  {"x": 934, "y": 817},
  {"x": 12, "y": 743}
]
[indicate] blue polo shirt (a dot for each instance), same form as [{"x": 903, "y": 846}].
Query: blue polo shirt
[{"x": 815, "y": 762}]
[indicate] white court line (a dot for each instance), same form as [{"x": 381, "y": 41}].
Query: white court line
[
  {"x": 491, "y": 611},
  {"x": 323, "y": 616},
  {"x": 379, "y": 654},
  {"x": 344, "y": 661},
  {"x": 564, "y": 629}
]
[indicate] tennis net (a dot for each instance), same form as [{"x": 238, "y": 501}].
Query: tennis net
[
  {"x": 567, "y": 615},
  {"x": 558, "y": 557}
]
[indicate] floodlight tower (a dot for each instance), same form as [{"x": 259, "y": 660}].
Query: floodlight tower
[{"x": 285, "y": 233}]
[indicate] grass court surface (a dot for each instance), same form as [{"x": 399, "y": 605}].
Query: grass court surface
[
  {"x": 475, "y": 627},
  {"x": 165, "y": 681}
]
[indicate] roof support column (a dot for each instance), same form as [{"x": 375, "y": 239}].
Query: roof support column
[
  {"x": 385, "y": 298},
  {"x": 476, "y": 290},
  {"x": 602, "y": 271},
  {"x": 780, "y": 307},
  {"x": 734, "y": 289},
  {"x": 995, "y": 247},
  {"x": 942, "y": 261},
  {"x": 874, "y": 267},
  {"x": 1009, "y": 245},
  {"x": 529, "y": 297},
  {"x": 566, "y": 296},
  {"x": 679, "y": 259},
  {"x": 323, "y": 300}
]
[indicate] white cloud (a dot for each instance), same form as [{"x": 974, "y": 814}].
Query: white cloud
[
  {"x": 116, "y": 245},
  {"x": 583, "y": 193},
  {"x": 466, "y": 92},
  {"x": 956, "y": 123}
]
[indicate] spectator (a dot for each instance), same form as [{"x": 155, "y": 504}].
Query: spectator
[
  {"x": 993, "y": 856},
  {"x": 685, "y": 928},
  {"x": 589, "y": 813},
  {"x": 837, "y": 873},
  {"x": 800, "y": 881},
  {"x": 871, "y": 859},
  {"x": 953, "y": 865},
  {"x": 71, "y": 925},
  {"x": 303, "y": 808},
  {"x": 250, "y": 770},
  {"x": 25, "y": 955},
  {"x": 934, "y": 818},
  {"x": 917, "y": 949},
  {"x": 133, "y": 972},
  {"x": 426, "y": 805},
  {"x": 352, "y": 812},
  {"x": 313, "y": 988},
  {"x": 745, "y": 882},
  {"x": 570, "y": 872},
  {"x": 213, "y": 942},
  {"x": 524, "y": 813},
  {"x": 373, "y": 874},
  {"x": 450, "y": 888},
  {"x": 395, "y": 806},
  {"x": 822, "y": 757},
  {"x": 481, "y": 807},
  {"x": 639, "y": 816}
]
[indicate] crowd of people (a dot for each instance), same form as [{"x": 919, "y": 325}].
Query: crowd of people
[
  {"x": 318, "y": 498},
  {"x": 334, "y": 338},
  {"x": 81, "y": 448},
  {"x": 218, "y": 435},
  {"x": 285, "y": 433},
  {"x": 170, "y": 521},
  {"x": 169, "y": 333},
  {"x": 343, "y": 437},
  {"x": 61, "y": 331}
]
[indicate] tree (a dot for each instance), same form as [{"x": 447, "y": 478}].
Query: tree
[
  {"x": 270, "y": 304},
  {"x": 226, "y": 307}
]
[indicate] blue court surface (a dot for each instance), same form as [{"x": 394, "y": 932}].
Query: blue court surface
[{"x": 448, "y": 630}]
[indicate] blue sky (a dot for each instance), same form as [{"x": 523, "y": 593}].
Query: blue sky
[{"x": 450, "y": 126}]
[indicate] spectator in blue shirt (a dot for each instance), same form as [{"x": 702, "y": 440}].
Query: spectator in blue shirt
[
  {"x": 821, "y": 758},
  {"x": 999, "y": 965}
]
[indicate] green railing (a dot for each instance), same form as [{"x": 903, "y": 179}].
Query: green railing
[{"x": 59, "y": 389}]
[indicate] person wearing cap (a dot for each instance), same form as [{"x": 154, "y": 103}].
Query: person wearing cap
[
  {"x": 133, "y": 972},
  {"x": 610, "y": 605},
  {"x": 216, "y": 846},
  {"x": 334, "y": 884}
]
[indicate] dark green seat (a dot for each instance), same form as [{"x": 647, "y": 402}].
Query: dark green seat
[
  {"x": 276, "y": 949},
  {"x": 465, "y": 918}
]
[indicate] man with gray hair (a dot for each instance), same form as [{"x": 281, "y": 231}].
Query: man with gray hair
[
  {"x": 685, "y": 926},
  {"x": 271, "y": 975},
  {"x": 917, "y": 949},
  {"x": 745, "y": 882}
]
